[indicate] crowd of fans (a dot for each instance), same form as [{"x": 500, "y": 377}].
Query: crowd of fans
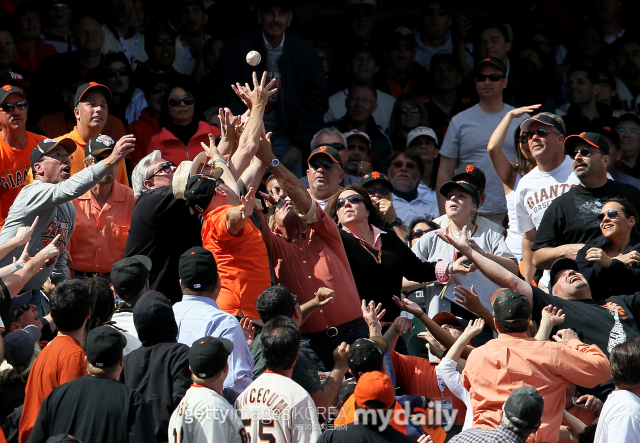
[{"x": 406, "y": 228}]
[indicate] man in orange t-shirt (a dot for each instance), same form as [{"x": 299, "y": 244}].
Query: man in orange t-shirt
[
  {"x": 63, "y": 360},
  {"x": 16, "y": 144},
  {"x": 91, "y": 111},
  {"x": 234, "y": 241}
]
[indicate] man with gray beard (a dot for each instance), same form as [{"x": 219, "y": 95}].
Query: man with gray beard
[{"x": 325, "y": 173}]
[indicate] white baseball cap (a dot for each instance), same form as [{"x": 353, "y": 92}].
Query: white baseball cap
[
  {"x": 353, "y": 132},
  {"x": 419, "y": 131}
]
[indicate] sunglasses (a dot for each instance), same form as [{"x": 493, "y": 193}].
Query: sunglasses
[
  {"x": 417, "y": 233},
  {"x": 175, "y": 102},
  {"x": 408, "y": 165},
  {"x": 323, "y": 165},
  {"x": 611, "y": 214},
  {"x": 353, "y": 199},
  {"x": 439, "y": 12},
  {"x": 162, "y": 41},
  {"x": 585, "y": 152},
  {"x": 8, "y": 107},
  {"x": 540, "y": 132},
  {"x": 164, "y": 167},
  {"x": 381, "y": 191},
  {"x": 122, "y": 72},
  {"x": 411, "y": 110},
  {"x": 336, "y": 146},
  {"x": 481, "y": 78},
  {"x": 23, "y": 309}
]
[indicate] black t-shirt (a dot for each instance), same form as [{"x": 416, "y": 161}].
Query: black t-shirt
[
  {"x": 358, "y": 433},
  {"x": 573, "y": 217}
]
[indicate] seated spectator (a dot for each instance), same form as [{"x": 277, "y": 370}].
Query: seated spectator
[
  {"x": 585, "y": 114},
  {"x": 160, "y": 46},
  {"x": 31, "y": 50},
  {"x": 358, "y": 153},
  {"x": 121, "y": 36},
  {"x": 128, "y": 101},
  {"x": 189, "y": 48},
  {"x": 57, "y": 31},
  {"x": 627, "y": 69},
  {"x": 628, "y": 129},
  {"x": 8, "y": 52},
  {"x": 211, "y": 52},
  {"x": 274, "y": 189},
  {"x": 380, "y": 190},
  {"x": 159, "y": 369},
  {"x": 613, "y": 139},
  {"x": 588, "y": 48},
  {"x": 425, "y": 142},
  {"x": 445, "y": 75},
  {"x": 408, "y": 114},
  {"x": 129, "y": 280},
  {"x": 182, "y": 127},
  {"x": 608, "y": 94},
  {"x": 612, "y": 266}
]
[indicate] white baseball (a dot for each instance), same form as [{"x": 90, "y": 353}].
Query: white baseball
[{"x": 253, "y": 58}]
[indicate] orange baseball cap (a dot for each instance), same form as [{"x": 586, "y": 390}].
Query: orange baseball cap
[{"x": 374, "y": 387}]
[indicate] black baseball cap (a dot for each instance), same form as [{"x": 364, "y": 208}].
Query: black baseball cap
[
  {"x": 376, "y": 176},
  {"x": 328, "y": 151},
  {"x": 491, "y": 61},
  {"x": 9, "y": 315},
  {"x": 466, "y": 186},
  {"x": 208, "y": 355},
  {"x": 129, "y": 276},
  {"x": 201, "y": 189},
  {"x": 366, "y": 354},
  {"x": 13, "y": 79},
  {"x": 524, "y": 408},
  {"x": 82, "y": 90},
  {"x": 197, "y": 269},
  {"x": 560, "y": 265},
  {"x": 20, "y": 345},
  {"x": 475, "y": 173},
  {"x": 510, "y": 306},
  {"x": 9, "y": 89},
  {"x": 104, "y": 346},
  {"x": 99, "y": 144},
  {"x": 591, "y": 138},
  {"x": 545, "y": 119},
  {"x": 48, "y": 144},
  {"x": 613, "y": 135}
]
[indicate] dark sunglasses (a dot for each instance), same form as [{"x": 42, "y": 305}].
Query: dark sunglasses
[
  {"x": 585, "y": 152},
  {"x": 381, "y": 191},
  {"x": 23, "y": 309},
  {"x": 481, "y": 78},
  {"x": 611, "y": 214},
  {"x": 353, "y": 199},
  {"x": 123, "y": 72},
  {"x": 336, "y": 146},
  {"x": 540, "y": 132},
  {"x": 162, "y": 41},
  {"x": 439, "y": 12},
  {"x": 408, "y": 165},
  {"x": 175, "y": 102},
  {"x": 412, "y": 110},
  {"x": 164, "y": 167},
  {"x": 417, "y": 233},
  {"x": 8, "y": 107},
  {"x": 325, "y": 165}
]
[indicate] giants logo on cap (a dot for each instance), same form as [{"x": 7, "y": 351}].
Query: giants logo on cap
[
  {"x": 536, "y": 116},
  {"x": 7, "y": 87},
  {"x": 488, "y": 59},
  {"x": 322, "y": 148},
  {"x": 470, "y": 168},
  {"x": 93, "y": 84},
  {"x": 104, "y": 139},
  {"x": 375, "y": 174}
]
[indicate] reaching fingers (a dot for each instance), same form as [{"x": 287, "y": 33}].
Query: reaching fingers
[{"x": 35, "y": 222}]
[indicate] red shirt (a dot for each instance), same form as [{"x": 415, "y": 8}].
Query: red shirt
[{"x": 174, "y": 150}]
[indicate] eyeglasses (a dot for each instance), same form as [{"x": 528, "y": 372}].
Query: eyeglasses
[
  {"x": 162, "y": 41},
  {"x": 481, "y": 78},
  {"x": 381, "y": 191},
  {"x": 439, "y": 12},
  {"x": 9, "y": 107},
  {"x": 407, "y": 165},
  {"x": 122, "y": 72},
  {"x": 611, "y": 214},
  {"x": 23, "y": 309},
  {"x": 417, "y": 233},
  {"x": 323, "y": 165},
  {"x": 154, "y": 90},
  {"x": 353, "y": 199},
  {"x": 411, "y": 110},
  {"x": 164, "y": 168},
  {"x": 175, "y": 102},
  {"x": 623, "y": 131},
  {"x": 540, "y": 132},
  {"x": 522, "y": 138},
  {"x": 60, "y": 156},
  {"x": 585, "y": 152}
]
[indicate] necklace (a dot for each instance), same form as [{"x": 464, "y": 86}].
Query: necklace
[{"x": 378, "y": 259}]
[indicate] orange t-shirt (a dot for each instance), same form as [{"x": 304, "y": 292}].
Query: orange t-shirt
[
  {"x": 58, "y": 363},
  {"x": 77, "y": 162},
  {"x": 15, "y": 171},
  {"x": 242, "y": 262},
  {"x": 56, "y": 125}
]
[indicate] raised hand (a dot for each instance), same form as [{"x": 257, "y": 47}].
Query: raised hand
[
  {"x": 372, "y": 313},
  {"x": 123, "y": 147},
  {"x": 461, "y": 243},
  {"x": 248, "y": 329},
  {"x": 552, "y": 315},
  {"x": 24, "y": 232},
  {"x": 324, "y": 296},
  {"x": 407, "y": 305},
  {"x": 519, "y": 112},
  {"x": 474, "y": 327},
  {"x": 340, "y": 355},
  {"x": 597, "y": 255},
  {"x": 460, "y": 268},
  {"x": 50, "y": 252},
  {"x": 564, "y": 336},
  {"x": 265, "y": 152},
  {"x": 402, "y": 325},
  {"x": 468, "y": 298},
  {"x": 248, "y": 203}
]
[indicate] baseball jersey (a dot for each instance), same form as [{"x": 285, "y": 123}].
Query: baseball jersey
[
  {"x": 277, "y": 409},
  {"x": 204, "y": 416}
]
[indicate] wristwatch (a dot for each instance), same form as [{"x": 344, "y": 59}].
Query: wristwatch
[
  {"x": 218, "y": 160},
  {"x": 17, "y": 265},
  {"x": 274, "y": 163},
  {"x": 396, "y": 222}
]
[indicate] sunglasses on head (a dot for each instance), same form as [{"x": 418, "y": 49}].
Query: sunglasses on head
[
  {"x": 123, "y": 72},
  {"x": 23, "y": 309},
  {"x": 585, "y": 152},
  {"x": 611, "y": 214},
  {"x": 353, "y": 199},
  {"x": 8, "y": 107},
  {"x": 541, "y": 132},
  {"x": 162, "y": 41},
  {"x": 325, "y": 164},
  {"x": 175, "y": 102},
  {"x": 381, "y": 191},
  {"x": 408, "y": 165},
  {"x": 411, "y": 110},
  {"x": 481, "y": 78},
  {"x": 164, "y": 167}
]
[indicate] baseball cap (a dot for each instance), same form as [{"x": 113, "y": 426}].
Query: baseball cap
[
  {"x": 420, "y": 131},
  {"x": 591, "y": 138},
  {"x": 356, "y": 132},
  {"x": 197, "y": 269},
  {"x": 104, "y": 346},
  {"x": 545, "y": 119},
  {"x": 129, "y": 276},
  {"x": 326, "y": 150},
  {"x": 613, "y": 135},
  {"x": 198, "y": 3},
  {"x": 491, "y": 61},
  {"x": 285, "y": 5},
  {"x": 445, "y": 317},
  {"x": 346, "y": 390},
  {"x": 376, "y": 176},
  {"x": 375, "y": 387},
  {"x": 208, "y": 355},
  {"x": 524, "y": 408},
  {"x": 366, "y": 354},
  {"x": 13, "y": 78},
  {"x": 201, "y": 189},
  {"x": 9, "y": 89},
  {"x": 19, "y": 345},
  {"x": 475, "y": 173},
  {"x": 48, "y": 144},
  {"x": 466, "y": 186},
  {"x": 401, "y": 33},
  {"x": 560, "y": 265},
  {"x": 82, "y": 90},
  {"x": 9, "y": 316},
  {"x": 98, "y": 145},
  {"x": 510, "y": 305}
]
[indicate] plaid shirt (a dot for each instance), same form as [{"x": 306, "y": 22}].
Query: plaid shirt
[{"x": 498, "y": 435}]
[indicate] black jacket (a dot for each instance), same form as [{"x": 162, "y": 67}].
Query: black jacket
[
  {"x": 303, "y": 99},
  {"x": 159, "y": 370}
]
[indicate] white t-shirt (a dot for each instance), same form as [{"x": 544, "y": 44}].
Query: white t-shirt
[
  {"x": 422, "y": 206},
  {"x": 447, "y": 369},
  {"x": 619, "y": 420},
  {"x": 275, "y": 408},
  {"x": 133, "y": 48},
  {"x": 466, "y": 140},
  {"x": 204, "y": 416},
  {"x": 514, "y": 238},
  {"x": 338, "y": 108}
]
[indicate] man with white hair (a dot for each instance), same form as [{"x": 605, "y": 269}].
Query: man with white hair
[
  {"x": 335, "y": 138},
  {"x": 162, "y": 227}
]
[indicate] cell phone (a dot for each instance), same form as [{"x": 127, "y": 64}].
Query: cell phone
[
  {"x": 467, "y": 263},
  {"x": 575, "y": 402}
]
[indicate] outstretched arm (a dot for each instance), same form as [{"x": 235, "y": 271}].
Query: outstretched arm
[
  {"x": 237, "y": 216},
  {"x": 17, "y": 281}
]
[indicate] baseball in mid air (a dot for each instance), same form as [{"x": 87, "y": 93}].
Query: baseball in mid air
[{"x": 253, "y": 58}]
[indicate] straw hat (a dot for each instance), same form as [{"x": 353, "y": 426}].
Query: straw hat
[{"x": 180, "y": 178}]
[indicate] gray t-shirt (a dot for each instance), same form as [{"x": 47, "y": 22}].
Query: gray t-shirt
[{"x": 467, "y": 139}]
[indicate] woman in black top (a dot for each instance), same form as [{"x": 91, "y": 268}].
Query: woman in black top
[
  {"x": 612, "y": 266},
  {"x": 378, "y": 258}
]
